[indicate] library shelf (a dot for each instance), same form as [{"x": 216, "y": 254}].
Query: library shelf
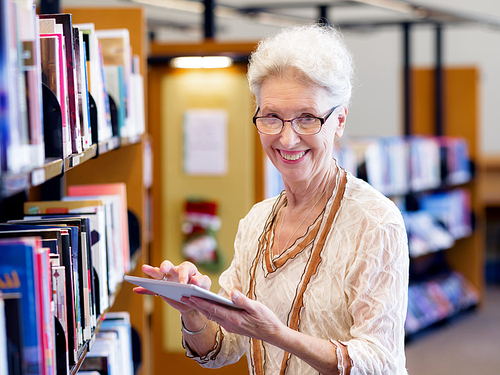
[{"x": 116, "y": 160}]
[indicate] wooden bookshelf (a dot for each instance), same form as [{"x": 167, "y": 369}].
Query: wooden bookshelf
[
  {"x": 461, "y": 108},
  {"x": 112, "y": 161},
  {"x": 122, "y": 161}
]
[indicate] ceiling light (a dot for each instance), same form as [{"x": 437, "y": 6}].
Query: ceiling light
[{"x": 201, "y": 62}]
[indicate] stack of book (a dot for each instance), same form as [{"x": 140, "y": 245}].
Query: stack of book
[
  {"x": 402, "y": 165},
  {"x": 69, "y": 254},
  {"x": 63, "y": 86},
  {"x": 112, "y": 350},
  {"x": 435, "y": 300},
  {"x": 442, "y": 218}
]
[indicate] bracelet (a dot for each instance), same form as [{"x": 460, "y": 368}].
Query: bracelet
[{"x": 191, "y": 332}]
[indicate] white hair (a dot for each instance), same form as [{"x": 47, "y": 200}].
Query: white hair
[{"x": 314, "y": 54}]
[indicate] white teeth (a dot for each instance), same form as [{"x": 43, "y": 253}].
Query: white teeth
[{"x": 292, "y": 156}]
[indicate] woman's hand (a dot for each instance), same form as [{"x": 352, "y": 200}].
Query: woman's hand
[
  {"x": 184, "y": 273},
  {"x": 253, "y": 320}
]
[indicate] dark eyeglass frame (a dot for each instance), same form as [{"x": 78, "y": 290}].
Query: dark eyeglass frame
[{"x": 283, "y": 121}]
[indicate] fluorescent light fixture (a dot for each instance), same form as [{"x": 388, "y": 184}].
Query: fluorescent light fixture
[{"x": 201, "y": 62}]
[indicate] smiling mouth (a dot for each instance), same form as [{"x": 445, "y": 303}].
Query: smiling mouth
[{"x": 292, "y": 156}]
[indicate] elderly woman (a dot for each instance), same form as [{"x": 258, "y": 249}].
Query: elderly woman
[{"x": 320, "y": 272}]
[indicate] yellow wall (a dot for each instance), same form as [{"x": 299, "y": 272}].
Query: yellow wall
[{"x": 213, "y": 89}]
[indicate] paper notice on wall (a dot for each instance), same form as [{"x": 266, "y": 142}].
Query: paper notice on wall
[{"x": 205, "y": 142}]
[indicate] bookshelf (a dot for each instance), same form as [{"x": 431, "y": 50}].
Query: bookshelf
[
  {"x": 115, "y": 160},
  {"x": 124, "y": 164},
  {"x": 460, "y": 119},
  {"x": 461, "y": 108}
]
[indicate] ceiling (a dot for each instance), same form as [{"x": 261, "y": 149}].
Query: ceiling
[{"x": 250, "y": 20}]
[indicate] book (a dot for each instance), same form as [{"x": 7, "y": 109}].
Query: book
[
  {"x": 4, "y": 359},
  {"x": 74, "y": 289},
  {"x": 74, "y": 248},
  {"x": 427, "y": 229},
  {"x": 61, "y": 322},
  {"x": 103, "y": 355},
  {"x": 49, "y": 63},
  {"x": 110, "y": 189},
  {"x": 433, "y": 300},
  {"x": 108, "y": 250},
  {"x": 14, "y": 129},
  {"x": 29, "y": 43},
  {"x": 19, "y": 274},
  {"x": 95, "y": 80},
  {"x": 81, "y": 87},
  {"x": 96, "y": 211},
  {"x": 115, "y": 84},
  {"x": 65, "y": 20},
  {"x": 119, "y": 323},
  {"x": 456, "y": 163},
  {"x": 425, "y": 163},
  {"x": 44, "y": 300},
  {"x": 452, "y": 208},
  {"x": 14, "y": 332},
  {"x": 117, "y": 61},
  {"x": 137, "y": 106}
]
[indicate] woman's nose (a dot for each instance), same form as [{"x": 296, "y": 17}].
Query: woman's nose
[{"x": 289, "y": 137}]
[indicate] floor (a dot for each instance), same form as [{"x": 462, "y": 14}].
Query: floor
[{"x": 469, "y": 345}]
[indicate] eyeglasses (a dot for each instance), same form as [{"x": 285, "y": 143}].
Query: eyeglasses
[{"x": 304, "y": 125}]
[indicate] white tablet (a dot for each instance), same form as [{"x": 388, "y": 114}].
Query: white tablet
[{"x": 175, "y": 290}]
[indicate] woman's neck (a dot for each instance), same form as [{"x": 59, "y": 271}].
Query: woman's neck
[{"x": 304, "y": 194}]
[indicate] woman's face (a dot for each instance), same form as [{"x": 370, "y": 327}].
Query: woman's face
[{"x": 299, "y": 157}]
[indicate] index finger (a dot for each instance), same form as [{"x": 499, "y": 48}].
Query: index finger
[
  {"x": 186, "y": 270},
  {"x": 154, "y": 272},
  {"x": 167, "y": 267}
]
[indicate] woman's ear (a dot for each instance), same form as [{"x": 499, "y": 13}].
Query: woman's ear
[{"x": 341, "y": 121}]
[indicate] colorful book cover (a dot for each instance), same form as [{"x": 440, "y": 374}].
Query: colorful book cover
[
  {"x": 85, "y": 256},
  {"x": 69, "y": 260},
  {"x": 44, "y": 300},
  {"x": 19, "y": 274},
  {"x": 116, "y": 51},
  {"x": 119, "y": 322},
  {"x": 65, "y": 20},
  {"x": 81, "y": 87},
  {"x": 3, "y": 339},
  {"x": 63, "y": 93},
  {"x": 14, "y": 331},
  {"x": 13, "y": 134},
  {"x": 61, "y": 321},
  {"x": 97, "y": 87},
  {"x": 115, "y": 83},
  {"x": 119, "y": 189},
  {"x": 30, "y": 62}
]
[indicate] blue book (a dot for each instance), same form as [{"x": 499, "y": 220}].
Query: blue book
[
  {"x": 19, "y": 274},
  {"x": 67, "y": 247}
]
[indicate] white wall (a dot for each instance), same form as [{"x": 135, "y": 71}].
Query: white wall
[{"x": 377, "y": 105}]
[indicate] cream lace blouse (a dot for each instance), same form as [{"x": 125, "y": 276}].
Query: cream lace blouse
[{"x": 345, "y": 280}]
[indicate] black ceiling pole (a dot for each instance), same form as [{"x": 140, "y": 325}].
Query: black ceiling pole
[
  {"x": 49, "y": 6},
  {"x": 407, "y": 78},
  {"x": 439, "y": 81},
  {"x": 323, "y": 15},
  {"x": 209, "y": 19}
]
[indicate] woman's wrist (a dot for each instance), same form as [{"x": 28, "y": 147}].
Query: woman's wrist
[
  {"x": 193, "y": 322},
  {"x": 192, "y": 333}
]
